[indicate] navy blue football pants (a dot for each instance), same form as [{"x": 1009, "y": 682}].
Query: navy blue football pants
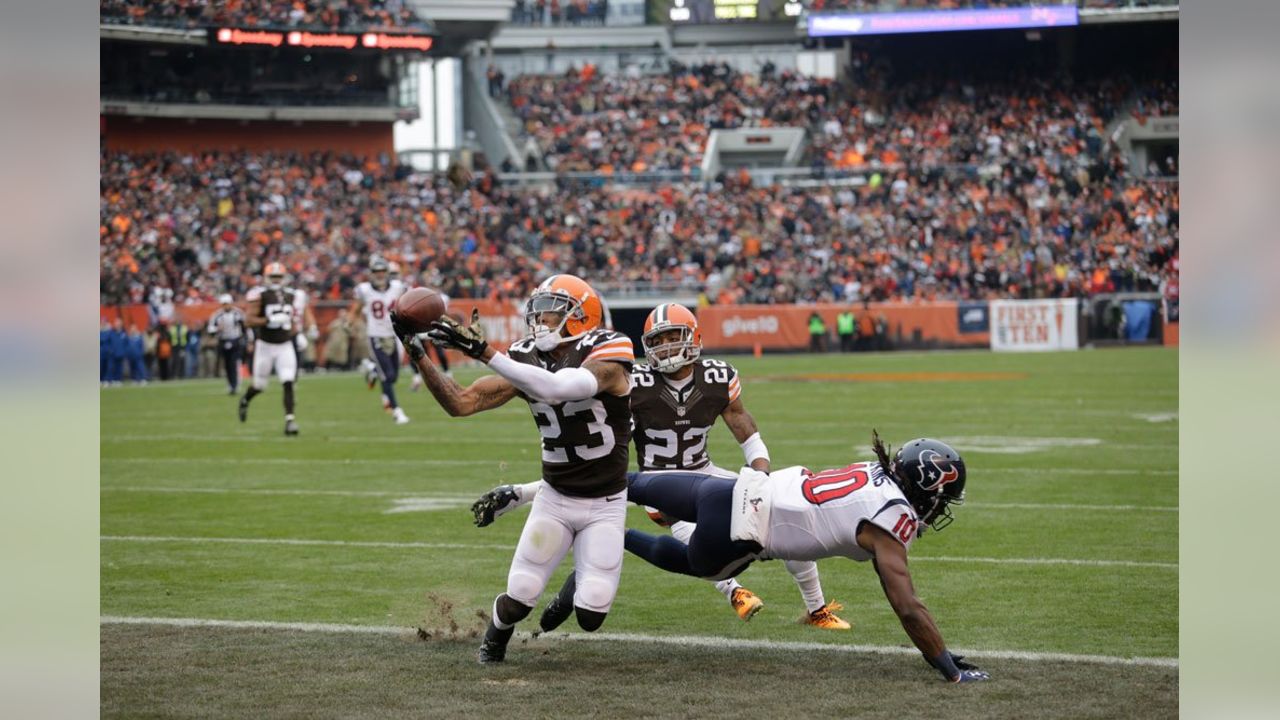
[{"x": 697, "y": 498}]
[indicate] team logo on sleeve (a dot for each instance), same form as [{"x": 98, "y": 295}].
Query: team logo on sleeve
[{"x": 936, "y": 471}]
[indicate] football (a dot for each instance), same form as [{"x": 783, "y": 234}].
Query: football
[{"x": 419, "y": 307}]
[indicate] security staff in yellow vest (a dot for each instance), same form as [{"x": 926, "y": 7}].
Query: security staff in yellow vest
[
  {"x": 817, "y": 333},
  {"x": 845, "y": 324}
]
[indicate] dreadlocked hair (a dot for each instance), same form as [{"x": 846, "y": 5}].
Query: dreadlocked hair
[{"x": 882, "y": 453}]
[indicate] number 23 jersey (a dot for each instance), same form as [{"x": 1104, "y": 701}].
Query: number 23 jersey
[
  {"x": 817, "y": 515},
  {"x": 584, "y": 442},
  {"x": 672, "y": 425}
]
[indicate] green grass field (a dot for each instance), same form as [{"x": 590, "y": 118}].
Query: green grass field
[{"x": 1059, "y": 575}]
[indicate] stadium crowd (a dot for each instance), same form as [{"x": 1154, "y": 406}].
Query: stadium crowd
[
  {"x": 585, "y": 121},
  {"x": 193, "y": 226},
  {"x": 307, "y": 14}
]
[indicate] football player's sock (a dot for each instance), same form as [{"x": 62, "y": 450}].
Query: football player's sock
[
  {"x": 288, "y": 399},
  {"x": 806, "y": 574},
  {"x": 664, "y": 551},
  {"x": 389, "y": 392},
  {"x": 250, "y": 393},
  {"x": 589, "y": 620},
  {"x": 507, "y": 612},
  {"x": 444, "y": 358},
  {"x": 726, "y": 587}
]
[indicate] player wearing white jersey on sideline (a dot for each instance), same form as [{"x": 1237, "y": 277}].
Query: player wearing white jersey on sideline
[{"x": 374, "y": 297}]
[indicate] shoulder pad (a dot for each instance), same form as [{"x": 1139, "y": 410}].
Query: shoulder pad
[{"x": 523, "y": 345}]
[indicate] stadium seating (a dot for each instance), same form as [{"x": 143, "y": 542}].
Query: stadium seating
[{"x": 205, "y": 224}]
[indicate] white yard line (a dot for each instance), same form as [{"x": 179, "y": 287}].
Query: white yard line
[
  {"x": 413, "y": 494},
  {"x": 273, "y": 437},
  {"x": 679, "y": 640},
  {"x": 300, "y": 541},
  {"x": 312, "y": 461},
  {"x": 1070, "y": 506},
  {"x": 268, "y": 491},
  {"x": 468, "y": 546}
]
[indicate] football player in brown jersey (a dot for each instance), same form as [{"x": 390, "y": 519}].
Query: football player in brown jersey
[
  {"x": 575, "y": 375},
  {"x": 273, "y": 318},
  {"x": 676, "y": 399}
]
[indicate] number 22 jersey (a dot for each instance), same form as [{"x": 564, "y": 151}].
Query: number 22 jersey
[
  {"x": 584, "y": 442},
  {"x": 672, "y": 424},
  {"x": 817, "y": 515}
]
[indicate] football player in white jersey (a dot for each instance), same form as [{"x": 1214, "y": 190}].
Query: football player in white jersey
[
  {"x": 374, "y": 297},
  {"x": 864, "y": 511}
]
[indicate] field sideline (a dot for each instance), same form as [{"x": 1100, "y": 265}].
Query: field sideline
[{"x": 245, "y": 570}]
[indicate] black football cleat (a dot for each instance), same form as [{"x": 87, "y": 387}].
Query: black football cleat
[
  {"x": 560, "y": 607},
  {"x": 244, "y": 409},
  {"x": 493, "y": 649},
  {"x": 290, "y": 427}
]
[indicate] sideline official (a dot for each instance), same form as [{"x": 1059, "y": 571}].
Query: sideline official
[{"x": 227, "y": 325}]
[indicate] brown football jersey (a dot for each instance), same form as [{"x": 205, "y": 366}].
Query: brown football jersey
[
  {"x": 585, "y": 443},
  {"x": 268, "y": 302},
  {"x": 671, "y": 425}
]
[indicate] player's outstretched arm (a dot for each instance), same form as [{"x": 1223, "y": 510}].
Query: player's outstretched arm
[
  {"x": 895, "y": 579},
  {"x": 486, "y": 393},
  {"x": 743, "y": 427},
  {"x": 578, "y": 383}
]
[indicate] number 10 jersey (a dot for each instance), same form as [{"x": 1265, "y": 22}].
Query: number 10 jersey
[{"x": 584, "y": 442}]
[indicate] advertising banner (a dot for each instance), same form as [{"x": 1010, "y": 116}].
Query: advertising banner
[
  {"x": 786, "y": 327},
  {"x": 1034, "y": 325},
  {"x": 973, "y": 317}
]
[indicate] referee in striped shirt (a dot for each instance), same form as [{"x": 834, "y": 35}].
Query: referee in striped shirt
[{"x": 228, "y": 324}]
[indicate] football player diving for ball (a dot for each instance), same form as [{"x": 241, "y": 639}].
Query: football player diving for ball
[
  {"x": 864, "y": 511},
  {"x": 675, "y": 400},
  {"x": 575, "y": 375}
]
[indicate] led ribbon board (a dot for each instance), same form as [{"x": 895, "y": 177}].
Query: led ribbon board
[
  {"x": 328, "y": 40},
  {"x": 889, "y": 23}
]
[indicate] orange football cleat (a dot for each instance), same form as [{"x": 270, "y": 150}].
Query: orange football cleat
[
  {"x": 745, "y": 603},
  {"x": 825, "y": 617}
]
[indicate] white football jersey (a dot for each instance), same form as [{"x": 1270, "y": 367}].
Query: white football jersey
[
  {"x": 817, "y": 515},
  {"x": 377, "y": 307}
]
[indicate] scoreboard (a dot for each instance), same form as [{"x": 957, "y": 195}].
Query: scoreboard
[{"x": 716, "y": 11}]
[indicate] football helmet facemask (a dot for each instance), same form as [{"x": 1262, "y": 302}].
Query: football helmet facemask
[
  {"x": 378, "y": 271},
  {"x": 663, "y": 354},
  {"x": 575, "y": 309},
  {"x": 931, "y": 474},
  {"x": 274, "y": 275}
]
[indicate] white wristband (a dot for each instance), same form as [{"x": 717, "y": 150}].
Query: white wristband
[{"x": 753, "y": 449}]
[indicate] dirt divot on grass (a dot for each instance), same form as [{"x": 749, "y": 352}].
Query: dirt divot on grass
[{"x": 441, "y": 622}]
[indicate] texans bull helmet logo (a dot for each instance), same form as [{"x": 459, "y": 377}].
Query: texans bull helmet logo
[{"x": 936, "y": 470}]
